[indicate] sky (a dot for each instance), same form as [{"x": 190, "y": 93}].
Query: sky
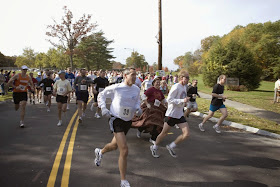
[{"x": 133, "y": 24}]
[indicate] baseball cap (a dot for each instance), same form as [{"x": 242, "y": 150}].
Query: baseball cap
[
  {"x": 61, "y": 71},
  {"x": 39, "y": 73},
  {"x": 24, "y": 67}
]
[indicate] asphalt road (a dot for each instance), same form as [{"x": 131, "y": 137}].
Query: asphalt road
[{"x": 42, "y": 154}]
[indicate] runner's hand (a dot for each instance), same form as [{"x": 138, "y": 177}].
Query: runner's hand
[
  {"x": 105, "y": 112},
  {"x": 138, "y": 112},
  {"x": 148, "y": 106}
]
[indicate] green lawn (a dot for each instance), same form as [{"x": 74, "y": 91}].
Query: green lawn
[
  {"x": 260, "y": 98},
  {"x": 6, "y": 97}
]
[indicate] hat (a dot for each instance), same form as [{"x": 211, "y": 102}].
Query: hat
[
  {"x": 61, "y": 71},
  {"x": 39, "y": 73},
  {"x": 24, "y": 67}
]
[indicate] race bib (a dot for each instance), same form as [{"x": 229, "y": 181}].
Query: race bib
[
  {"x": 48, "y": 89},
  {"x": 22, "y": 87},
  {"x": 100, "y": 89},
  {"x": 157, "y": 103},
  {"x": 125, "y": 112},
  {"x": 220, "y": 95},
  {"x": 83, "y": 87},
  {"x": 61, "y": 90}
]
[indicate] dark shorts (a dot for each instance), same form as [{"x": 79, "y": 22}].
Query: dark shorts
[
  {"x": 47, "y": 93},
  {"x": 82, "y": 96},
  {"x": 19, "y": 96},
  {"x": 95, "y": 97},
  {"x": 61, "y": 99},
  {"x": 120, "y": 125},
  {"x": 214, "y": 108},
  {"x": 33, "y": 92},
  {"x": 173, "y": 121}
]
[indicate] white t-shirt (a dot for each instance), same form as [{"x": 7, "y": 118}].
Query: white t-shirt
[
  {"x": 277, "y": 84},
  {"x": 92, "y": 76},
  {"x": 125, "y": 100},
  {"x": 175, "y": 100},
  {"x": 62, "y": 86},
  {"x": 147, "y": 84}
]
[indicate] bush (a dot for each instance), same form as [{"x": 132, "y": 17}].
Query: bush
[{"x": 240, "y": 88}]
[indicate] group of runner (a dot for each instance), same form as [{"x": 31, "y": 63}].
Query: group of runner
[{"x": 126, "y": 109}]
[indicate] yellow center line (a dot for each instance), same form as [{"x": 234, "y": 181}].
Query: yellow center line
[
  {"x": 68, "y": 161},
  {"x": 56, "y": 163}
]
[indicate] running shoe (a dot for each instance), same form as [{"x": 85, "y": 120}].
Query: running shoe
[
  {"x": 125, "y": 183},
  {"x": 177, "y": 127},
  {"x": 33, "y": 102},
  {"x": 80, "y": 120},
  {"x": 138, "y": 134},
  {"x": 59, "y": 123},
  {"x": 48, "y": 109},
  {"x": 21, "y": 124},
  {"x": 201, "y": 127},
  {"x": 217, "y": 128},
  {"x": 171, "y": 151},
  {"x": 98, "y": 156},
  {"x": 97, "y": 115},
  {"x": 152, "y": 141},
  {"x": 154, "y": 152}
]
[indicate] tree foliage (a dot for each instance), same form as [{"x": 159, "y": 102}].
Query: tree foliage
[
  {"x": 94, "y": 53},
  {"x": 136, "y": 60},
  {"x": 69, "y": 33},
  {"x": 27, "y": 58}
]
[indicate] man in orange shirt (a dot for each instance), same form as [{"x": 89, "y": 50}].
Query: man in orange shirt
[{"x": 21, "y": 82}]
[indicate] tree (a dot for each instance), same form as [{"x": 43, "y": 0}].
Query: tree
[
  {"x": 165, "y": 69},
  {"x": 93, "y": 52},
  {"x": 58, "y": 58},
  {"x": 2, "y": 60},
  {"x": 68, "y": 33},
  {"x": 117, "y": 65},
  {"x": 42, "y": 60},
  {"x": 27, "y": 58},
  {"x": 207, "y": 42},
  {"x": 136, "y": 60}
]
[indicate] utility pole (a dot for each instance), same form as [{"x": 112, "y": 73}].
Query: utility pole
[{"x": 159, "y": 37}]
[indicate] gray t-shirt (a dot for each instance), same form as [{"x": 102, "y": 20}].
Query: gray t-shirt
[{"x": 82, "y": 87}]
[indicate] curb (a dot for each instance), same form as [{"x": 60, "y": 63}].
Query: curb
[{"x": 240, "y": 126}]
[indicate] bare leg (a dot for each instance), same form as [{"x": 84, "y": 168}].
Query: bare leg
[
  {"x": 224, "y": 115},
  {"x": 22, "y": 112},
  {"x": 185, "y": 133},
  {"x": 59, "y": 107},
  {"x": 122, "y": 145},
  {"x": 163, "y": 133},
  {"x": 210, "y": 114}
]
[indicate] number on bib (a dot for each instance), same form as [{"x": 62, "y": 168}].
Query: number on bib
[
  {"x": 61, "y": 90},
  {"x": 83, "y": 87},
  {"x": 125, "y": 112},
  {"x": 157, "y": 103},
  {"x": 48, "y": 89},
  {"x": 22, "y": 87}
]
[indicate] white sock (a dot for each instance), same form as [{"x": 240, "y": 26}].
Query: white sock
[
  {"x": 123, "y": 181},
  {"x": 155, "y": 147},
  {"x": 172, "y": 145}
]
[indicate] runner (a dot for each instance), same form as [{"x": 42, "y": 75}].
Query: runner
[
  {"x": 192, "y": 93},
  {"x": 125, "y": 102},
  {"x": 21, "y": 81},
  {"x": 38, "y": 88},
  {"x": 154, "y": 107},
  {"x": 99, "y": 85},
  {"x": 70, "y": 77},
  {"x": 217, "y": 104},
  {"x": 48, "y": 90},
  {"x": 82, "y": 83},
  {"x": 61, "y": 88},
  {"x": 147, "y": 83},
  {"x": 31, "y": 93},
  {"x": 176, "y": 99}
]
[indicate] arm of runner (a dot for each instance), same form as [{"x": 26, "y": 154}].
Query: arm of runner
[
  {"x": 31, "y": 84},
  {"x": 108, "y": 92},
  {"x": 12, "y": 80}
]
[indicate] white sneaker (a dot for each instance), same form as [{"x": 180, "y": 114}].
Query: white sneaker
[
  {"x": 59, "y": 123},
  {"x": 152, "y": 141},
  {"x": 171, "y": 151},
  {"x": 125, "y": 183},
  {"x": 138, "y": 134},
  {"x": 84, "y": 114},
  {"x": 217, "y": 128},
  {"x": 80, "y": 120},
  {"x": 177, "y": 127},
  {"x": 98, "y": 157},
  {"x": 154, "y": 152},
  {"x": 97, "y": 115},
  {"x": 201, "y": 127},
  {"x": 21, "y": 124},
  {"x": 48, "y": 109}
]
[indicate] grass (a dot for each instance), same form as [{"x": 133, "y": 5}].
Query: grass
[
  {"x": 260, "y": 98},
  {"x": 241, "y": 117},
  {"x": 6, "y": 97}
]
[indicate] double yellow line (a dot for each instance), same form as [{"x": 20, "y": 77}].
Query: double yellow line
[{"x": 67, "y": 164}]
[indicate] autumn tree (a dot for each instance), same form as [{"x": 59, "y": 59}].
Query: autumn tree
[
  {"x": 117, "y": 65},
  {"x": 69, "y": 33},
  {"x": 136, "y": 60}
]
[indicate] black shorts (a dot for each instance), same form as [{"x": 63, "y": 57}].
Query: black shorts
[
  {"x": 82, "y": 96},
  {"x": 120, "y": 125},
  {"x": 61, "y": 99},
  {"x": 33, "y": 92},
  {"x": 47, "y": 93},
  {"x": 19, "y": 96},
  {"x": 173, "y": 121},
  {"x": 95, "y": 97}
]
